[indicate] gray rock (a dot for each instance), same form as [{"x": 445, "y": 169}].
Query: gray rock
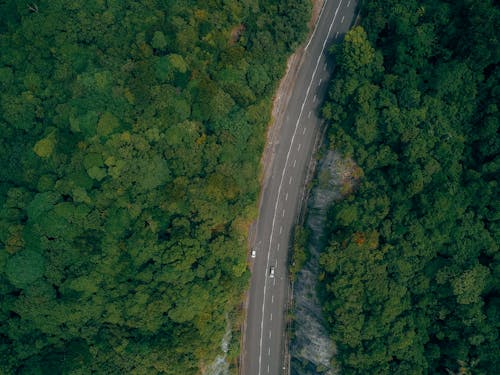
[{"x": 311, "y": 348}]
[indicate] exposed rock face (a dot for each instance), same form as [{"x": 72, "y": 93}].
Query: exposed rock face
[
  {"x": 220, "y": 365},
  {"x": 311, "y": 348}
]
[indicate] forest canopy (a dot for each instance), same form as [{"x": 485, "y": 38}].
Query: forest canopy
[
  {"x": 410, "y": 278},
  {"x": 131, "y": 134}
]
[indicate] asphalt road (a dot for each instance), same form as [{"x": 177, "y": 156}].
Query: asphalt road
[{"x": 263, "y": 341}]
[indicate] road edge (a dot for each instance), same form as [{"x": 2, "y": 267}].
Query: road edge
[
  {"x": 302, "y": 208},
  {"x": 280, "y": 101}
]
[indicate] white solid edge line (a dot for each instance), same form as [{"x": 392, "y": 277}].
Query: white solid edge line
[
  {"x": 286, "y": 162},
  {"x": 316, "y": 26}
]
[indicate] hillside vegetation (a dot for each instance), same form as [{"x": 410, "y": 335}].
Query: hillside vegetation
[
  {"x": 131, "y": 134},
  {"x": 410, "y": 278}
]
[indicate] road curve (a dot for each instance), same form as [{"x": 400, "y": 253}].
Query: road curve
[{"x": 263, "y": 340}]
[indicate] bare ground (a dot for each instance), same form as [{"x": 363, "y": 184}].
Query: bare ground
[
  {"x": 282, "y": 97},
  {"x": 280, "y": 102}
]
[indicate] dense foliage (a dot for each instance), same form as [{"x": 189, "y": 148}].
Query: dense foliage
[
  {"x": 411, "y": 276},
  {"x": 131, "y": 134},
  {"x": 300, "y": 253}
]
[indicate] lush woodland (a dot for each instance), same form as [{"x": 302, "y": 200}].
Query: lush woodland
[
  {"x": 130, "y": 140},
  {"x": 410, "y": 277}
]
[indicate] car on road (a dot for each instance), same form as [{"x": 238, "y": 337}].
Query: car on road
[
  {"x": 271, "y": 272},
  {"x": 253, "y": 254}
]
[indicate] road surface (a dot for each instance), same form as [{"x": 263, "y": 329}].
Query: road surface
[{"x": 263, "y": 339}]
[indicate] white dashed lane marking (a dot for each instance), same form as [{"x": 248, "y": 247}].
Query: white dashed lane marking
[
  {"x": 298, "y": 147},
  {"x": 294, "y": 163},
  {"x": 277, "y": 202},
  {"x": 342, "y": 20},
  {"x": 304, "y": 131}
]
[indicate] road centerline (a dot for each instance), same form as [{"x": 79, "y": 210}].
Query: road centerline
[{"x": 286, "y": 162}]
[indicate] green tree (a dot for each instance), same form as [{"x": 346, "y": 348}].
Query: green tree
[
  {"x": 408, "y": 279},
  {"x": 131, "y": 140}
]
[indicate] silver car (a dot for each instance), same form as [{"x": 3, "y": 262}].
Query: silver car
[{"x": 271, "y": 272}]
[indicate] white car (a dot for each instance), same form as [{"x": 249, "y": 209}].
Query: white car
[
  {"x": 253, "y": 254},
  {"x": 271, "y": 272}
]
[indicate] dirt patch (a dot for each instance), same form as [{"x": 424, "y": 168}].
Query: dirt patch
[
  {"x": 282, "y": 97},
  {"x": 316, "y": 10},
  {"x": 236, "y": 33},
  {"x": 280, "y": 101}
]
